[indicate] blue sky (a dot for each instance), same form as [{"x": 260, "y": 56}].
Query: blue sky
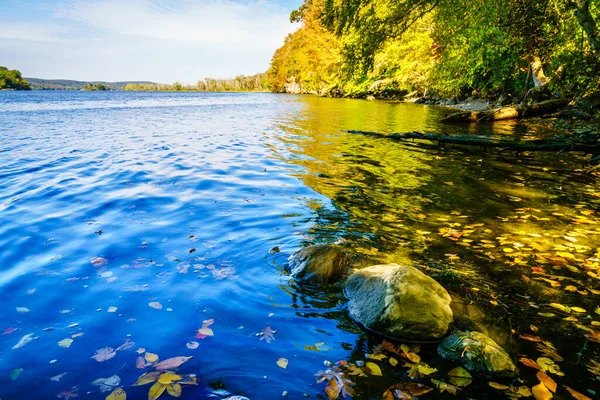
[{"x": 157, "y": 40}]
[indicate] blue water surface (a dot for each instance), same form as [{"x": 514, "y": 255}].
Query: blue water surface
[{"x": 140, "y": 217}]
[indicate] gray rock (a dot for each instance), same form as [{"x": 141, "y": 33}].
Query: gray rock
[
  {"x": 478, "y": 353},
  {"x": 319, "y": 264},
  {"x": 399, "y": 301}
]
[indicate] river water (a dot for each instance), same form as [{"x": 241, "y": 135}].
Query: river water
[{"x": 129, "y": 221}]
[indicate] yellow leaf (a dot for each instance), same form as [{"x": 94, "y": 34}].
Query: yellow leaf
[
  {"x": 425, "y": 369},
  {"x": 156, "y": 390},
  {"x": 540, "y": 392},
  {"x": 498, "y": 386},
  {"x": 147, "y": 378},
  {"x": 117, "y": 394},
  {"x": 168, "y": 377},
  {"x": 460, "y": 377},
  {"x": 65, "y": 343},
  {"x": 578, "y": 309},
  {"x": 373, "y": 369},
  {"x": 393, "y": 361},
  {"x": 377, "y": 357},
  {"x": 151, "y": 357},
  {"x": 508, "y": 250},
  {"x": 282, "y": 362},
  {"x": 174, "y": 389}
]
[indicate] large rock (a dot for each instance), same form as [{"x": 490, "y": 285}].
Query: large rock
[
  {"x": 478, "y": 353},
  {"x": 319, "y": 264},
  {"x": 399, "y": 301}
]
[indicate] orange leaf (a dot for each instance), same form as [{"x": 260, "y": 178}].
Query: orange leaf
[
  {"x": 576, "y": 394},
  {"x": 530, "y": 363},
  {"x": 333, "y": 389},
  {"x": 547, "y": 381},
  {"x": 540, "y": 392}
]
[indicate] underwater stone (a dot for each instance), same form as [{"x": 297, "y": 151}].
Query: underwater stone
[
  {"x": 478, "y": 353},
  {"x": 399, "y": 301},
  {"x": 319, "y": 264}
]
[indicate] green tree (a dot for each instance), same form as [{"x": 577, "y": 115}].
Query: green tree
[{"x": 12, "y": 79}]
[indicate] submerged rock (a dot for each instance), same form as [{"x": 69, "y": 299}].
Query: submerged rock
[
  {"x": 319, "y": 264},
  {"x": 399, "y": 301},
  {"x": 478, "y": 353}
]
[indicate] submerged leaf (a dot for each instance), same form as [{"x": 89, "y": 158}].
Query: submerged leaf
[
  {"x": 373, "y": 369},
  {"x": 282, "y": 362},
  {"x": 460, "y": 377},
  {"x": 171, "y": 363},
  {"x": 147, "y": 378},
  {"x": 406, "y": 391},
  {"x": 104, "y": 354},
  {"x": 156, "y": 390},
  {"x": 174, "y": 389},
  {"x": 117, "y": 394},
  {"x": 540, "y": 392}
]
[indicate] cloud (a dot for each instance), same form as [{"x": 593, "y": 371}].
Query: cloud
[
  {"x": 224, "y": 22},
  {"x": 32, "y": 32},
  {"x": 157, "y": 40}
]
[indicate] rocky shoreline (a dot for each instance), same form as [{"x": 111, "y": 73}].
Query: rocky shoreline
[{"x": 403, "y": 303}]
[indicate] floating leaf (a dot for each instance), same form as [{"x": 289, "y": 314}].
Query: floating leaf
[
  {"x": 267, "y": 334},
  {"x": 65, "y": 343},
  {"x": 530, "y": 363},
  {"x": 576, "y": 394},
  {"x": 445, "y": 387},
  {"x": 460, "y": 377},
  {"x": 373, "y": 369},
  {"x": 498, "y": 386},
  {"x": 58, "y": 377},
  {"x": 151, "y": 357},
  {"x": 393, "y": 362},
  {"x": 540, "y": 392},
  {"x": 547, "y": 381},
  {"x": 147, "y": 378},
  {"x": 174, "y": 389},
  {"x": 104, "y": 354},
  {"x": 192, "y": 345},
  {"x": 168, "y": 377},
  {"x": 126, "y": 346},
  {"x": 23, "y": 341},
  {"x": 98, "y": 262},
  {"x": 156, "y": 305},
  {"x": 548, "y": 365},
  {"x": 282, "y": 362},
  {"x": 117, "y": 394},
  {"x": 140, "y": 363},
  {"x": 156, "y": 390},
  {"x": 107, "y": 384},
  {"x": 112, "y": 309},
  {"x": 333, "y": 390},
  {"x": 171, "y": 363}
]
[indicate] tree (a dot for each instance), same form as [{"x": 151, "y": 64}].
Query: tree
[{"x": 12, "y": 79}]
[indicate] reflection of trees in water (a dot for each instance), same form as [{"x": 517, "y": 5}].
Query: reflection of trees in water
[{"x": 385, "y": 197}]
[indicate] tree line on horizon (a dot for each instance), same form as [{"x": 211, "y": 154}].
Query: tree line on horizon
[
  {"x": 241, "y": 83},
  {"x": 449, "y": 48}
]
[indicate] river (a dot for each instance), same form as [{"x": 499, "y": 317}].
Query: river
[{"x": 130, "y": 221}]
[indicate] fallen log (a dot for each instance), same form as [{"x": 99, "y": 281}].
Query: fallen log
[
  {"x": 554, "y": 145},
  {"x": 508, "y": 112}
]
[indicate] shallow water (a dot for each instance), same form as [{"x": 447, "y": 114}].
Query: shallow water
[{"x": 122, "y": 200}]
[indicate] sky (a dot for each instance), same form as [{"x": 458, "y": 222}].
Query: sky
[{"x": 155, "y": 40}]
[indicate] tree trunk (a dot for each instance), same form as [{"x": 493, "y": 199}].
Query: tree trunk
[
  {"x": 537, "y": 72},
  {"x": 582, "y": 11},
  {"x": 510, "y": 112},
  {"x": 492, "y": 142}
]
